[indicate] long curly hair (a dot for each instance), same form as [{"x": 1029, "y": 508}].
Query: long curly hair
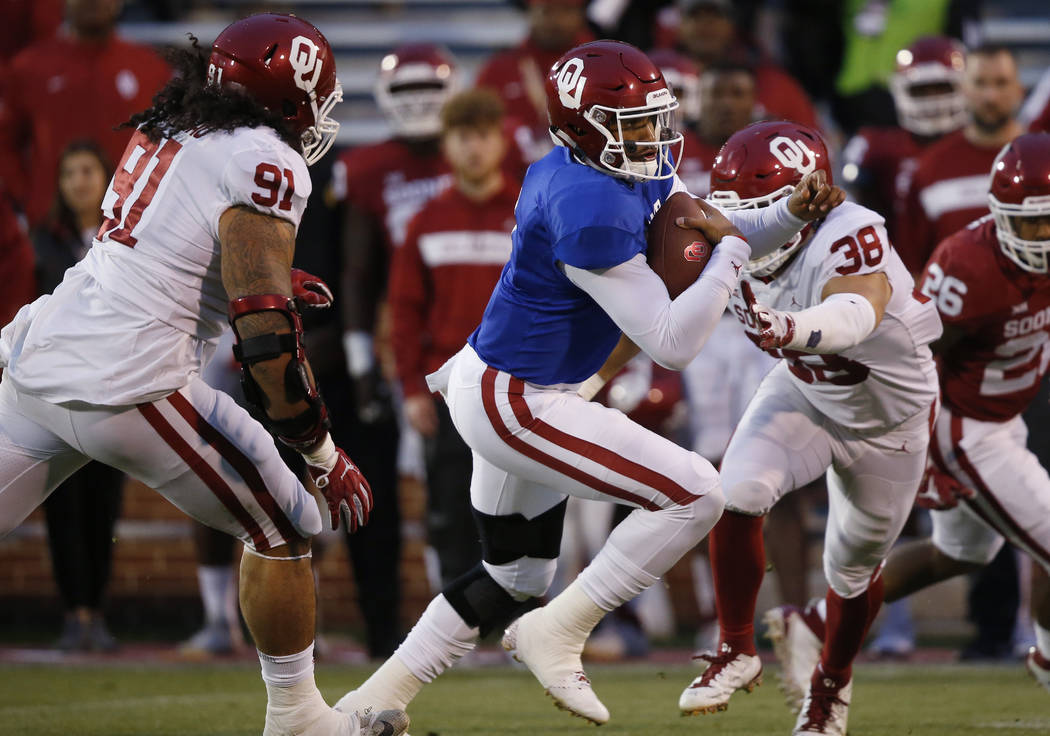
[{"x": 187, "y": 102}]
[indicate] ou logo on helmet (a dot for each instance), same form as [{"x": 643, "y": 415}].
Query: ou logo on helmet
[
  {"x": 304, "y": 61},
  {"x": 570, "y": 83},
  {"x": 794, "y": 154}
]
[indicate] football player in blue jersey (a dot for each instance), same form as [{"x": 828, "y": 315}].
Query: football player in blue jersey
[{"x": 577, "y": 281}]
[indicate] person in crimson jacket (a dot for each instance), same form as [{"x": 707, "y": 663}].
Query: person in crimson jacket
[
  {"x": 707, "y": 34},
  {"x": 949, "y": 188},
  {"x": 440, "y": 282},
  {"x": 91, "y": 71},
  {"x": 517, "y": 75}
]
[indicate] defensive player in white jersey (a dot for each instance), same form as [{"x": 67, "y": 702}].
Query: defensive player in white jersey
[
  {"x": 577, "y": 278},
  {"x": 853, "y": 396},
  {"x": 991, "y": 284},
  {"x": 200, "y": 227}
]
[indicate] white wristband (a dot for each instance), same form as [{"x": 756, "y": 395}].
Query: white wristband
[
  {"x": 324, "y": 456},
  {"x": 836, "y": 324},
  {"x": 357, "y": 344},
  {"x": 589, "y": 388}
]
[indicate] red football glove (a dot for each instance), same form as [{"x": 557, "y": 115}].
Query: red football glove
[
  {"x": 939, "y": 491},
  {"x": 344, "y": 487},
  {"x": 311, "y": 290},
  {"x": 775, "y": 329}
]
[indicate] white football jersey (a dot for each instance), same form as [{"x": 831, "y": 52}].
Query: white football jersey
[
  {"x": 142, "y": 312},
  {"x": 890, "y": 376}
]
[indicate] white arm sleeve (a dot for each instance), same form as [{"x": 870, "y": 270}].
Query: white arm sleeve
[
  {"x": 836, "y": 324},
  {"x": 670, "y": 332},
  {"x": 765, "y": 229}
]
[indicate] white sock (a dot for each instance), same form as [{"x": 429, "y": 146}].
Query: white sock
[
  {"x": 216, "y": 584},
  {"x": 436, "y": 642},
  {"x": 1042, "y": 640},
  {"x": 284, "y": 671},
  {"x": 612, "y": 579},
  {"x": 575, "y": 611}
]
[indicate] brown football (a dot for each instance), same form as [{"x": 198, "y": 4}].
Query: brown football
[{"x": 677, "y": 255}]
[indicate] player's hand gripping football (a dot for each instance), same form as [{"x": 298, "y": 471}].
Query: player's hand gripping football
[
  {"x": 310, "y": 291},
  {"x": 345, "y": 489},
  {"x": 814, "y": 197},
  {"x": 939, "y": 491},
  {"x": 714, "y": 225},
  {"x": 775, "y": 329}
]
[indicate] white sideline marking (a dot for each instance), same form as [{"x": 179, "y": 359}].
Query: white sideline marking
[{"x": 1039, "y": 723}]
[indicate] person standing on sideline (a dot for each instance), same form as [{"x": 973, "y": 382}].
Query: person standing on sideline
[
  {"x": 441, "y": 277},
  {"x": 82, "y": 511}
]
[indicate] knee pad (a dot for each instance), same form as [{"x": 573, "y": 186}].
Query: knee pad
[
  {"x": 482, "y": 602},
  {"x": 528, "y": 577},
  {"x": 750, "y": 497},
  {"x": 510, "y": 537}
]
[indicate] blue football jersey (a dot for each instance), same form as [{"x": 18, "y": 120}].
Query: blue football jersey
[{"x": 538, "y": 325}]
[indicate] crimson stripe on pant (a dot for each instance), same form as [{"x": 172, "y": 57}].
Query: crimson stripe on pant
[
  {"x": 206, "y": 473},
  {"x": 1002, "y": 521},
  {"x": 488, "y": 398},
  {"x": 592, "y": 451},
  {"x": 240, "y": 462}
]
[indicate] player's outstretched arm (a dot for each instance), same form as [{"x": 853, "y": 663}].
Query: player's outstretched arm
[
  {"x": 851, "y": 308},
  {"x": 768, "y": 228},
  {"x": 621, "y": 355},
  {"x": 256, "y": 257}
]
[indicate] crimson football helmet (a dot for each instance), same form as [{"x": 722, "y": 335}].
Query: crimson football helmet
[
  {"x": 762, "y": 163},
  {"x": 415, "y": 81},
  {"x": 1020, "y": 188},
  {"x": 683, "y": 77},
  {"x": 286, "y": 65},
  {"x": 597, "y": 88},
  {"x": 927, "y": 86}
]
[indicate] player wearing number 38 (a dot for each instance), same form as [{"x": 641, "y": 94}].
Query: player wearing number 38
[
  {"x": 853, "y": 396},
  {"x": 200, "y": 230}
]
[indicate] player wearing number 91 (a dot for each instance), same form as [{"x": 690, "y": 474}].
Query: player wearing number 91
[
  {"x": 991, "y": 284},
  {"x": 853, "y": 396},
  {"x": 200, "y": 229}
]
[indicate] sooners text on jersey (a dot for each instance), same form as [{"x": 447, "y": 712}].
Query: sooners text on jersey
[
  {"x": 993, "y": 371},
  {"x": 888, "y": 377}
]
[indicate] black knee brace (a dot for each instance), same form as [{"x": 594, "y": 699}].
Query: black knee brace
[
  {"x": 511, "y": 537},
  {"x": 482, "y": 602}
]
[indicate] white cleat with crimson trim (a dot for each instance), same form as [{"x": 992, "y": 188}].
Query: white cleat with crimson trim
[
  {"x": 1038, "y": 667},
  {"x": 797, "y": 645},
  {"x": 825, "y": 709},
  {"x": 555, "y": 661},
  {"x": 727, "y": 671},
  {"x": 313, "y": 717}
]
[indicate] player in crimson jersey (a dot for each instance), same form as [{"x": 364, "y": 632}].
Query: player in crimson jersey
[
  {"x": 950, "y": 184},
  {"x": 852, "y": 397},
  {"x": 576, "y": 282},
  {"x": 991, "y": 284},
  {"x": 200, "y": 227},
  {"x": 927, "y": 91}
]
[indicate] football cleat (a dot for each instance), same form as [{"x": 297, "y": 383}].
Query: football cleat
[
  {"x": 797, "y": 647},
  {"x": 556, "y": 663},
  {"x": 727, "y": 671},
  {"x": 315, "y": 718},
  {"x": 825, "y": 709},
  {"x": 1038, "y": 667}
]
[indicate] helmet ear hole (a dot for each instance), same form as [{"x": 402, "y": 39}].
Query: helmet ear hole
[{"x": 288, "y": 108}]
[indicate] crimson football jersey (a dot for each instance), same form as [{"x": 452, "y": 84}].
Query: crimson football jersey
[
  {"x": 389, "y": 181},
  {"x": 61, "y": 90},
  {"x": 442, "y": 277},
  {"x": 885, "y": 160},
  {"x": 993, "y": 372},
  {"x": 948, "y": 190}
]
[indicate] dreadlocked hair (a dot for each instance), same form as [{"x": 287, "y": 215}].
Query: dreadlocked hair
[{"x": 188, "y": 102}]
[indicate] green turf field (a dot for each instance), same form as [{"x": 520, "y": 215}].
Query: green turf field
[{"x": 950, "y": 700}]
